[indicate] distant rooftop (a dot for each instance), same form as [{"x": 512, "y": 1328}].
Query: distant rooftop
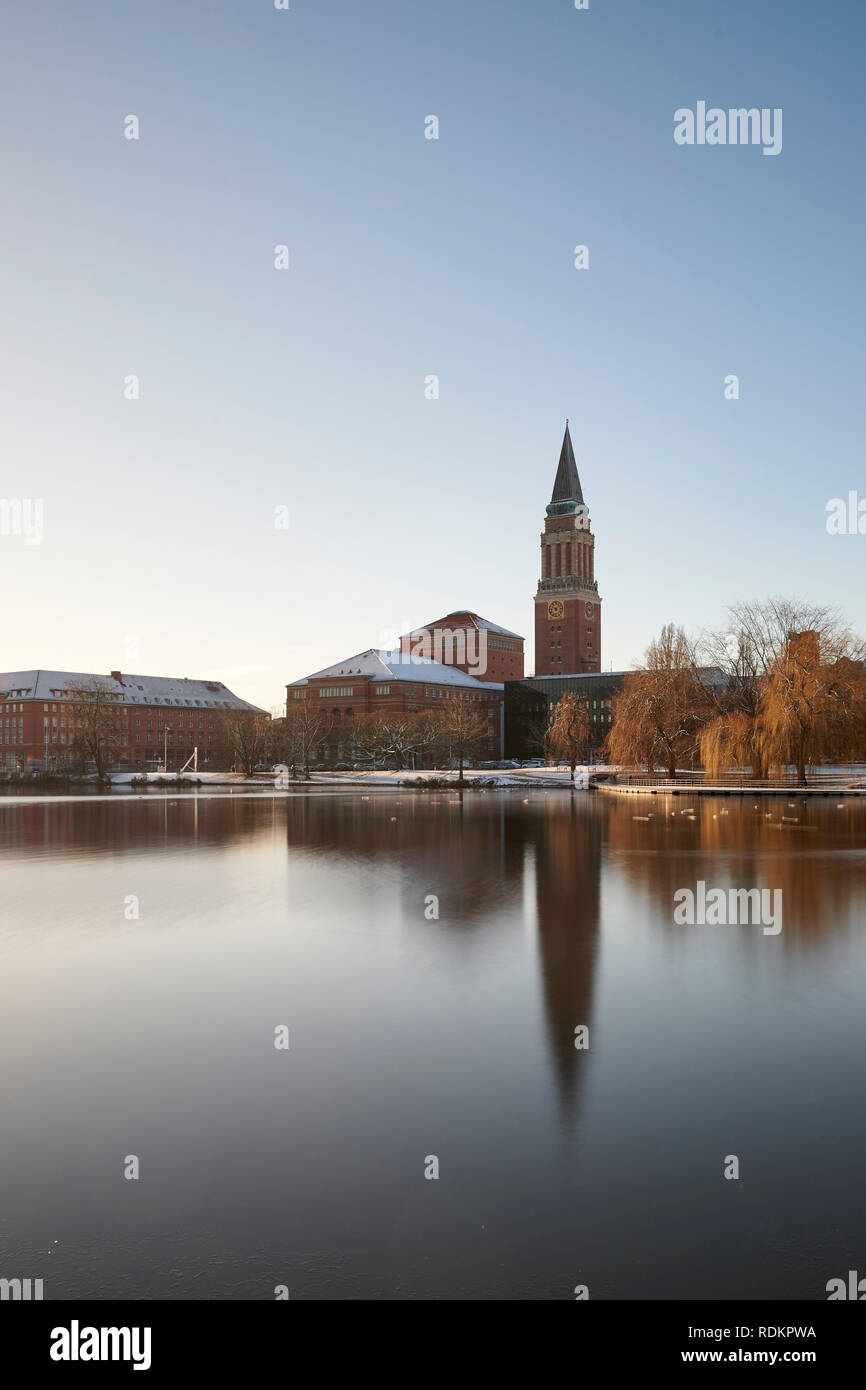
[
  {"x": 483, "y": 624},
  {"x": 398, "y": 666},
  {"x": 143, "y": 690}
]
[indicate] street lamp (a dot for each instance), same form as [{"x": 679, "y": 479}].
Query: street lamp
[{"x": 165, "y": 749}]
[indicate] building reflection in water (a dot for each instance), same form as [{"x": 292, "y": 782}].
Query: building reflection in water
[{"x": 478, "y": 854}]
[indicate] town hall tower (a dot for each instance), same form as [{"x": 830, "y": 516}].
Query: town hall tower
[{"x": 567, "y": 606}]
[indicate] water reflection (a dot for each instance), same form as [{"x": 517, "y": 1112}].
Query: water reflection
[
  {"x": 811, "y": 849},
  {"x": 412, "y": 1034}
]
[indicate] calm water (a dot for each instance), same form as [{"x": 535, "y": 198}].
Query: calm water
[{"x": 412, "y": 1037}]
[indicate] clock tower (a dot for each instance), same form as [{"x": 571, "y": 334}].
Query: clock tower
[{"x": 567, "y": 606}]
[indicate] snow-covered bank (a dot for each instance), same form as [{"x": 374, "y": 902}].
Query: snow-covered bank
[{"x": 172, "y": 779}]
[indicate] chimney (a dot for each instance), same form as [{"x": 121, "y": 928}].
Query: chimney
[{"x": 116, "y": 676}]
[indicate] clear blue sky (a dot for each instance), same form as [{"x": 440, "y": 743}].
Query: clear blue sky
[{"x": 412, "y": 257}]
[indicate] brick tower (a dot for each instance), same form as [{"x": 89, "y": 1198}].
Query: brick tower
[{"x": 567, "y": 606}]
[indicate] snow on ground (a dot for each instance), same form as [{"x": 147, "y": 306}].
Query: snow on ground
[
  {"x": 219, "y": 779},
  {"x": 510, "y": 777},
  {"x": 489, "y": 777}
]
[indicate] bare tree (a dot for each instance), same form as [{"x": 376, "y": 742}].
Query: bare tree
[
  {"x": 461, "y": 730},
  {"x": 245, "y": 734},
  {"x": 569, "y": 734},
  {"x": 393, "y": 736},
  {"x": 305, "y": 731},
  {"x": 97, "y": 723},
  {"x": 661, "y": 707}
]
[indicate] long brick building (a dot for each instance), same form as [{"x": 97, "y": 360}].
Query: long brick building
[
  {"x": 394, "y": 683},
  {"x": 155, "y": 715}
]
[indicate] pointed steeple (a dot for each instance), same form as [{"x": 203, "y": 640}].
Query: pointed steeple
[{"x": 567, "y": 495}]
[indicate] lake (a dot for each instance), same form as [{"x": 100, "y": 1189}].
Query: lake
[{"x": 431, "y": 957}]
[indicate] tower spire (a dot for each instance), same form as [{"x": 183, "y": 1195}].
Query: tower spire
[{"x": 567, "y": 494}]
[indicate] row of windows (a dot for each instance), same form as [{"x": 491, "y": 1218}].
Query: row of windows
[
  {"x": 60, "y": 736},
  {"x": 334, "y": 692},
  {"x": 121, "y": 699},
  {"x": 134, "y": 699},
  {"x": 587, "y": 704}
]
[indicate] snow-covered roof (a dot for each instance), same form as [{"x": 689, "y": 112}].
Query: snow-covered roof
[
  {"x": 482, "y": 623},
  {"x": 494, "y": 627},
  {"x": 136, "y": 690},
  {"x": 399, "y": 666}
]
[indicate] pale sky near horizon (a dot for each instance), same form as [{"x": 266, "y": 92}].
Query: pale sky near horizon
[{"x": 410, "y": 257}]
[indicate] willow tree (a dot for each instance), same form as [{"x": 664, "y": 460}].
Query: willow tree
[
  {"x": 746, "y": 652},
  {"x": 813, "y": 690},
  {"x": 662, "y": 706},
  {"x": 736, "y": 739}
]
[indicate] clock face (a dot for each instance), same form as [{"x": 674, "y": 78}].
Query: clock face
[
  {"x": 555, "y": 608},
  {"x": 588, "y": 610}
]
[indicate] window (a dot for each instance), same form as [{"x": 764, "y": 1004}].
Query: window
[{"x": 380, "y": 690}]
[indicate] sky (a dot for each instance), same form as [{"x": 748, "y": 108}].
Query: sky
[{"x": 299, "y": 396}]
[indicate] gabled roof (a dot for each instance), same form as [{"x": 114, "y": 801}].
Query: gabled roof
[
  {"x": 483, "y": 624},
  {"x": 566, "y": 487},
  {"x": 398, "y": 666},
  {"x": 143, "y": 690}
]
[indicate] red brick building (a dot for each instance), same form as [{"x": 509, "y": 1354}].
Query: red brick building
[
  {"x": 155, "y": 714},
  {"x": 399, "y": 683},
  {"x": 474, "y": 644},
  {"x": 567, "y": 605}
]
